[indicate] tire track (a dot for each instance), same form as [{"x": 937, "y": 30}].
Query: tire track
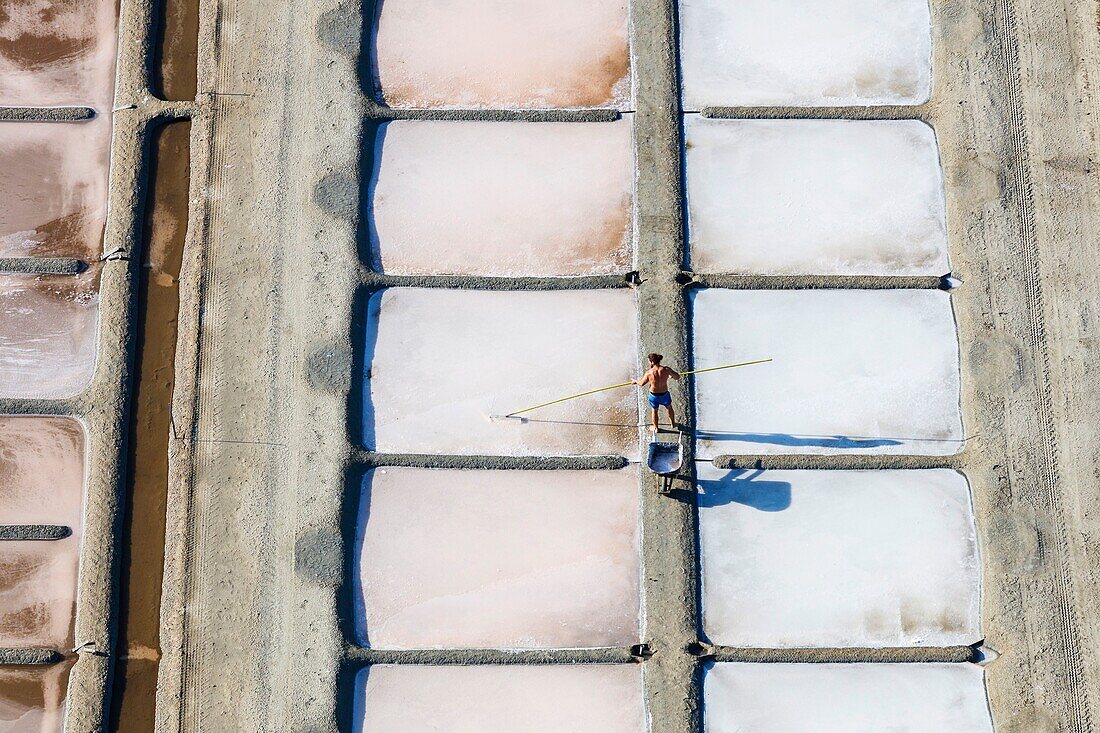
[{"x": 1066, "y": 631}]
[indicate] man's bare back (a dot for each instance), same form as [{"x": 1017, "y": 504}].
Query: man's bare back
[{"x": 657, "y": 378}]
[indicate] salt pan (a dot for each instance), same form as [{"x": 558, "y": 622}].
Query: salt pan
[
  {"x": 440, "y": 362},
  {"x": 41, "y": 482},
  {"x": 854, "y": 371},
  {"x": 797, "y": 52},
  {"x": 846, "y": 698},
  {"x": 592, "y": 698},
  {"x": 47, "y": 334},
  {"x": 32, "y": 699},
  {"x": 818, "y": 197},
  {"x": 498, "y": 559},
  {"x": 58, "y": 52},
  {"x": 838, "y": 558},
  {"x": 502, "y": 198},
  {"x": 484, "y": 53},
  {"x": 53, "y": 188}
]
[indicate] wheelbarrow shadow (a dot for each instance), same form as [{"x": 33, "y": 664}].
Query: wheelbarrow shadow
[{"x": 744, "y": 486}]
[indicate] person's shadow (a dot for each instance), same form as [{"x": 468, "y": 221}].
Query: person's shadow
[
  {"x": 743, "y": 486},
  {"x": 843, "y": 442}
]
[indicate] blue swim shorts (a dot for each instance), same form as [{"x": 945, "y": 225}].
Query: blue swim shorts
[{"x": 657, "y": 399}]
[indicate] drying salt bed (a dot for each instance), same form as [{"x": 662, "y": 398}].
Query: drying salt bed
[
  {"x": 815, "y": 197},
  {"x": 441, "y": 362},
  {"x": 502, "y": 198},
  {"x": 484, "y": 53},
  {"x": 791, "y": 52},
  {"x": 498, "y": 559},
  {"x": 57, "y": 52},
  {"x": 32, "y": 699},
  {"x": 41, "y": 482},
  {"x": 838, "y": 558},
  {"x": 845, "y": 698},
  {"x": 855, "y": 371},
  {"x": 47, "y": 334},
  {"x": 53, "y": 188},
  {"x": 593, "y": 698}
]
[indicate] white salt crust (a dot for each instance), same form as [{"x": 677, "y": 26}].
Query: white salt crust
[
  {"x": 846, "y": 698},
  {"x": 815, "y": 197},
  {"x": 805, "y": 52},
  {"x": 838, "y": 558},
  {"x": 441, "y": 362},
  {"x": 854, "y": 371}
]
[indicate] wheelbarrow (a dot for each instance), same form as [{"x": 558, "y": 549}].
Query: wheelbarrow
[{"x": 665, "y": 459}]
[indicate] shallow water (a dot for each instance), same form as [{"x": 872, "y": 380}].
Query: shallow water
[
  {"x": 502, "y": 198},
  {"x": 593, "y": 698},
  {"x": 32, "y": 699},
  {"x": 53, "y": 188},
  {"x": 483, "y": 53},
  {"x": 134, "y": 696},
  {"x": 41, "y": 482},
  {"x": 177, "y": 71},
  {"x": 498, "y": 559},
  {"x": 57, "y": 52}
]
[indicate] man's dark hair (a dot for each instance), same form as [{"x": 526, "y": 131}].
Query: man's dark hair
[{"x": 655, "y": 359}]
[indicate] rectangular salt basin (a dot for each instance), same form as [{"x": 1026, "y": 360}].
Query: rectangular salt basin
[
  {"x": 502, "y": 198},
  {"x": 441, "y": 362},
  {"x": 41, "y": 482},
  {"x": 32, "y": 699},
  {"x": 854, "y": 371},
  {"x": 791, "y": 52},
  {"x": 815, "y": 197},
  {"x": 838, "y": 558},
  {"x": 53, "y": 188},
  {"x": 845, "y": 698},
  {"x": 48, "y": 334},
  {"x": 580, "y": 698},
  {"x": 58, "y": 52},
  {"x": 483, "y": 53},
  {"x": 498, "y": 559}
]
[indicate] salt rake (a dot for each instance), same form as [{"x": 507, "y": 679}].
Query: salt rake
[{"x": 514, "y": 415}]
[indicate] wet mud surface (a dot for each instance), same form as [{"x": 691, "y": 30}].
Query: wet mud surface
[
  {"x": 32, "y": 699},
  {"x": 57, "y": 52},
  {"x": 144, "y": 527},
  {"x": 41, "y": 482}
]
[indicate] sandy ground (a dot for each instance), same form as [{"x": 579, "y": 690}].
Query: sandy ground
[{"x": 259, "y": 525}]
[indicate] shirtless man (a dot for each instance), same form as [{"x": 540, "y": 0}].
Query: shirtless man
[{"x": 657, "y": 378}]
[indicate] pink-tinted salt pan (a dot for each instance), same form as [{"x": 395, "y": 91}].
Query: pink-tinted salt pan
[
  {"x": 41, "y": 482},
  {"x": 503, "y": 198},
  {"x": 485, "y": 53},
  {"x": 58, "y": 52},
  {"x": 32, "y": 699},
  {"x": 592, "y": 698},
  {"x": 53, "y": 188},
  {"x": 47, "y": 334},
  {"x": 498, "y": 559}
]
